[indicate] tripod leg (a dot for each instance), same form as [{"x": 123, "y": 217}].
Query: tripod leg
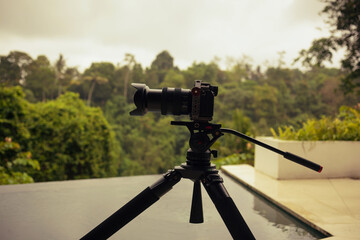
[
  {"x": 196, "y": 214},
  {"x": 231, "y": 216},
  {"x": 133, "y": 208}
]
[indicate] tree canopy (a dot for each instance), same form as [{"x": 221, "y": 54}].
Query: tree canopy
[{"x": 343, "y": 17}]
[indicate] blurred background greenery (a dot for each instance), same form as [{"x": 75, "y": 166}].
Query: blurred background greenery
[{"x": 57, "y": 123}]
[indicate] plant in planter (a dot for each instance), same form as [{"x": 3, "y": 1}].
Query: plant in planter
[
  {"x": 345, "y": 127},
  {"x": 332, "y": 143}
]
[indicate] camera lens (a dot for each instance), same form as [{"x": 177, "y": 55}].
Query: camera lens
[{"x": 175, "y": 101}]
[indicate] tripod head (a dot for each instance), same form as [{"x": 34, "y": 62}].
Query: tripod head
[
  {"x": 199, "y": 134},
  {"x": 200, "y": 142}
]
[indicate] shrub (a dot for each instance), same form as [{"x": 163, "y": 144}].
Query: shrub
[
  {"x": 346, "y": 127},
  {"x": 69, "y": 139},
  {"x": 15, "y": 164},
  {"x": 13, "y": 111},
  {"x": 236, "y": 158}
]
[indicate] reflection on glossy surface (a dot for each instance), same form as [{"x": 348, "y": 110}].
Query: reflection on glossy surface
[
  {"x": 292, "y": 227},
  {"x": 265, "y": 219}
]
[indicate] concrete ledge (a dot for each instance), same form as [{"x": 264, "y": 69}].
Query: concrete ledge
[
  {"x": 340, "y": 159},
  {"x": 329, "y": 205}
]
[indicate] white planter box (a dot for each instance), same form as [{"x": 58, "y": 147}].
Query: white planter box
[{"x": 340, "y": 159}]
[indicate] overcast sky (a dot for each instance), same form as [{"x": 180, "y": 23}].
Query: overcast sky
[{"x": 86, "y": 31}]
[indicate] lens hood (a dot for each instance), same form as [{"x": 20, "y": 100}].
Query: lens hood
[{"x": 140, "y": 99}]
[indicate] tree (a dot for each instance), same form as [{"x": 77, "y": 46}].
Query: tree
[
  {"x": 238, "y": 70},
  {"x": 126, "y": 74},
  {"x": 202, "y": 71},
  {"x": 161, "y": 65},
  {"x": 174, "y": 78},
  {"x": 343, "y": 18},
  {"x": 266, "y": 105},
  {"x": 71, "y": 74},
  {"x": 10, "y": 73},
  {"x": 98, "y": 74},
  {"x": 13, "y": 68},
  {"x": 163, "y": 61},
  {"x": 41, "y": 78},
  {"x": 94, "y": 79},
  {"x": 60, "y": 72},
  {"x": 130, "y": 63}
]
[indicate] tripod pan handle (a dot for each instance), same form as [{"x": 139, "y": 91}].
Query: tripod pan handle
[{"x": 303, "y": 161}]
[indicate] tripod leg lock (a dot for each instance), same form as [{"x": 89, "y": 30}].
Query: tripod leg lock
[
  {"x": 165, "y": 184},
  {"x": 211, "y": 178},
  {"x": 215, "y": 181}
]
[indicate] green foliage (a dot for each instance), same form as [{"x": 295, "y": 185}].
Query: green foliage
[
  {"x": 64, "y": 75},
  {"x": 174, "y": 78},
  {"x": 163, "y": 61},
  {"x": 13, "y": 112},
  {"x": 15, "y": 164},
  {"x": 236, "y": 158},
  {"x": 149, "y": 143},
  {"x": 69, "y": 139},
  {"x": 98, "y": 75},
  {"x": 343, "y": 19},
  {"x": 159, "y": 68},
  {"x": 41, "y": 79},
  {"x": 13, "y": 68},
  {"x": 346, "y": 126},
  {"x": 321, "y": 50},
  {"x": 234, "y": 149},
  {"x": 206, "y": 72},
  {"x": 229, "y": 144},
  {"x": 10, "y": 73}
]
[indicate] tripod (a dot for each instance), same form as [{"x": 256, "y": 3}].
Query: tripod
[{"x": 197, "y": 168}]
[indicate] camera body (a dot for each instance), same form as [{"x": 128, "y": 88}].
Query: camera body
[
  {"x": 198, "y": 102},
  {"x": 202, "y": 104}
]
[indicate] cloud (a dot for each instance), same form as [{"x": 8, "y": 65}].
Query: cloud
[
  {"x": 192, "y": 30},
  {"x": 304, "y": 12},
  {"x": 38, "y": 18}
]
